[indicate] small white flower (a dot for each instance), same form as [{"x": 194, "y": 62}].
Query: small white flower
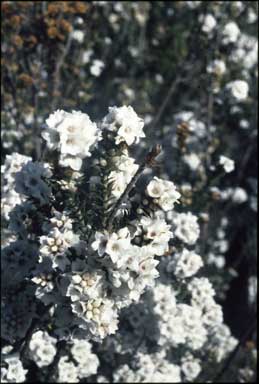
[
  {"x": 96, "y": 68},
  {"x": 230, "y": 33},
  {"x": 193, "y": 161},
  {"x": 73, "y": 134},
  {"x": 208, "y": 23},
  {"x": 78, "y": 35},
  {"x": 239, "y": 89},
  {"x": 164, "y": 192},
  {"x": 227, "y": 164},
  {"x": 217, "y": 67},
  {"x": 187, "y": 227},
  {"x": 187, "y": 263},
  {"x": 126, "y": 123}
]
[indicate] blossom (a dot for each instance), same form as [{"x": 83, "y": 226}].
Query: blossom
[
  {"x": 187, "y": 227},
  {"x": 85, "y": 285},
  {"x": 55, "y": 245},
  {"x": 228, "y": 164},
  {"x": 78, "y": 35},
  {"x": 15, "y": 373},
  {"x": 217, "y": 67},
  {"x": 230, "y": 33},
  {"x": 126, "y": 123},
  {"x": 30, "y": 181},
  {"x": 208, "y": 23},
  {"x": 96, "y": 68},
  {"x": 186, "y": 263},
  {"x": 67, "y": 371},
  {"x": 239, "y": 89},
  {"x": 193, "y": 161},
  {"x": 73, "y": 134},
  {"x": 87, "y": 361},
  {"x": 191, "y": 367},
  {"x": 164, "y": 192},
  {"x": 42, "y": 348}
]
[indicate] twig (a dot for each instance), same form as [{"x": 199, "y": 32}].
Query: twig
[
  {"x": 234, "y": 352},
  {"x": 56, "y": 74},
  {"x": 146, "y": 163}
]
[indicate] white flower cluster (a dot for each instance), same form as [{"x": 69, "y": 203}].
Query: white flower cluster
[
  {"x": 186, "y": 227},
  {"x": 42, "y": 348},
  {"x": 124, "y": 169},
  {"x": 153, "y": 368},
  {"x": 29, "y": 181},
  {"x": 14, "y": 373},
  {"x": 126, "y": 123},
  {"x": 186, "y": 264},
  {"x": 82, "y": 264},
  {"x": 10, "y": 198},
  {"x": 227, "y": 164},
  {"x": 164, "y": 193},
  {"x": 131, "y": 268},
  {"x": 238, "y": 89},
  {"x": 73, "y": 135}
]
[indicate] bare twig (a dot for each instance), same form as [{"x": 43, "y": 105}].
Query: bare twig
[{"x": 56, "y": 74}]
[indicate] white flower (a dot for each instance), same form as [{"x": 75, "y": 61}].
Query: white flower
[
  {"x": 30, "y": 181},
  {"x": 42, "y": 348},
  {"x": 85, "y": 285},
  {"x": 100, "y": 242},
  {"x": 55, "y": 245},
  {"x": 96, "y": 68},
  {"x": 217, "y": 67},
  {"x": 78, "y": 35},
  {"x": 67, "y": 371},
  {"x": 187, "y": 263},
  {"x": 191, "y": 367},
  {"x": 87, "y": 361},
  {"x": 117, "y": 244},
  {"x": 164, "y": 192},
  {"x": 239, "y": 89},
  {"x": 202, "y": 292},
  {"x": 193, "y": 161},
  {"x": 73, "y": 134},
  {"x": 239, "y": 195},
  {"x": 187, "y": 227},
  {"x": 159, "y": 232},
  {"x": 86, "y": 56},
  {"x": 126, "y": 123},
  {"x": 228, "y": 164},
  {"x": 209, "y": 23},
  {"x": 15, "y": 373},
  {"x": 230, "y": 33}
]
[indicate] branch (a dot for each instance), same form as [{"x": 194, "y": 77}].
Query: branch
[
  {"x": 56, "y": 74},
  {"x": 149, "y": 160}
]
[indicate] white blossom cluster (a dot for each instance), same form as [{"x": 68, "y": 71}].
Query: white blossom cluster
[
  {"x": 10, "y": 198},
  {"x": 88, "y": 263},
  {"x": 101, "y": 273},
  {"x": 72, "y": 135}
]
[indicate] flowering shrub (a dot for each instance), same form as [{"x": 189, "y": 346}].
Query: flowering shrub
[
  {"x": 115, "y": 256},
  {"x": 88, "y": 241}
]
